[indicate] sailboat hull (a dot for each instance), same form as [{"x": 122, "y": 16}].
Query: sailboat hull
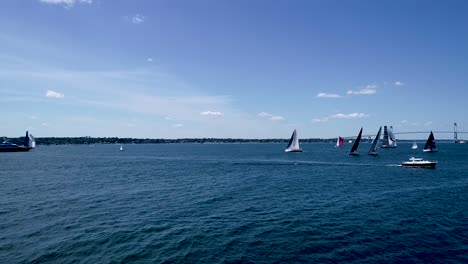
[
  {"x": 373, "y": 154},
  {"x": 430, "y": 150},
  {"x": 388, "y": 147},
  {"x": 354, "y": 154},
  {"x": 293, "y": 150}
]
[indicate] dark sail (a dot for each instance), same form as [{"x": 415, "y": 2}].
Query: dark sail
[
  {"x": 26, "y": 139},
  {"x": 291, "y": 140},
  {"x": 375, "y": 143},
  {"x": 385, "y": 136},
  {"x": 356, "y": 143},
  {"x": 430, "y": 143}
]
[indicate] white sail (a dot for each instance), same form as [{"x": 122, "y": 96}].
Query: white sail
[
  {"x": 293, "y": 145},
  {"x": 415, "y": 146},
  {"x": 32, "y": 141},
  {"x": 121, "y": 148},
  {"x": 389, "y": 140}
]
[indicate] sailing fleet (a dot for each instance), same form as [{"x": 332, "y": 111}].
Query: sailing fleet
[{"x": 389, "y": 141}]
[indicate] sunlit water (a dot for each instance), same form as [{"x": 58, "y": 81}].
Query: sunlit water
[{"x": 238, "y": 203}]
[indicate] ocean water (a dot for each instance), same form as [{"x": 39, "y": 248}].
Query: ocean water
[{"x": 232, "y": 203}]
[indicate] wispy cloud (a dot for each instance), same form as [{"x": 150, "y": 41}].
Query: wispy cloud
[
  {"x": 177, "y": 125},
  {"x": 212, "y": 113},
  {"x": 270, "y": 116},
  {"x": 45, "y": 124},
  {"x": 369, "y": 89},
  {"x": 66, "y": 3},
  {"x": 428, "y": 123},
  {"x": 403, "y": 122},
  {"x": 54, "y": 94},
  {"x": 131, "y": 125},
  {"x": 276, "y": 118},
  {"x": 328, "y": 95},
  {"x": 349, "y": 116},
  {"x": 398, "y": 83},
  {"x": 320, "y": 120},
  {"x": 138, "y": 19},
  {"x": 264, "y": 114},
  {"x": 340, "y": 116},
  {"x": 149, "y": 59}
]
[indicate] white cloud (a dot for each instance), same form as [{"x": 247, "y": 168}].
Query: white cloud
[
  {"x": 349, "y": 116},
  {"x": 149, "y": 59},
  {"x": 328, "y": 95},
  {"x": 45, "y": 124},
  {"x": 398, "y": 83},
  {"x": 404, "y": 122},
  {"x": 131, "y": 125},
  {"x": 66, "y": 3},
  {"x": 271, "y": 117},
  {"x": 212, "y": 113},
  {"x": 428, "y": 123},
  {"x": 369, "y": 89},
  {"x": 54, "y": 94},
  {"x": 138, "y": 19},
  {"x": 277, "y": 118},
  {"x": 264, "y": 114},
  {"x": 177, "y": 125},
  {"x": 167, "y": 118},
  {"x": 33, "y": 117},
  {"x": 320, "y": 120}
]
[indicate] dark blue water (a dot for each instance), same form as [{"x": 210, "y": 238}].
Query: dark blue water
[{"x": 234, "y": 203}]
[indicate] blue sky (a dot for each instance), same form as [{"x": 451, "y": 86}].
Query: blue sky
[{"x": 250, "y": 69}]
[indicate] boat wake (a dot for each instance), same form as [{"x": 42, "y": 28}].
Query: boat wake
[{"x": 299, "y": 163}]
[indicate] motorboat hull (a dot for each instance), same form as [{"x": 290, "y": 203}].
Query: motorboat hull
[
  {"x": 430, "y": 165},
  {"x": 15, "y": 149}
]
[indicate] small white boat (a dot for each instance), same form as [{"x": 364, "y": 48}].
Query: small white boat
[
  {"x": 419, "y": 163},
  {"x": 293, "y": 145},
  {"x": 121, "y": 147},
  {"x": 415, "y": 146}
]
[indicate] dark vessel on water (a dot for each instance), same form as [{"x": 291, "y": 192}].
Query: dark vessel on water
[
  {"x": 353, "y": 151},
  {"x": 29, "y": 143}
]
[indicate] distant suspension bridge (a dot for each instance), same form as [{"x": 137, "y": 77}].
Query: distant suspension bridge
[{"x": 455, "y": 133}]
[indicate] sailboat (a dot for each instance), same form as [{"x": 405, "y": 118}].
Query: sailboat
[
  {"x": 29, "y": 143},
  {"x": 375, "y": 144},
  {"x": 293, "y": 145},
  {"x": 339, "y": 142},
  {"x": 356, "y": 145},
  {"x": 389, "y": 140},
  {"x": 430, "y": 144},
  {"x": 415, "y": 146},
  {"x": 121, "y": 147}
]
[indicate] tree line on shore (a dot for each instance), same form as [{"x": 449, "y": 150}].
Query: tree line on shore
[{"x": 117, "y": 140}]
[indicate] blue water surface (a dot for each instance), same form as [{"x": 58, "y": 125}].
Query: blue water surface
[{"x": 232, "y": 203}]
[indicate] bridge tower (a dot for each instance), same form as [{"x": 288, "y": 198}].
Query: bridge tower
[{"x": 455, "y": 133}]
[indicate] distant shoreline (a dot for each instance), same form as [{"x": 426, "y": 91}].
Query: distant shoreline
[{"x": 116, "y": 140}]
